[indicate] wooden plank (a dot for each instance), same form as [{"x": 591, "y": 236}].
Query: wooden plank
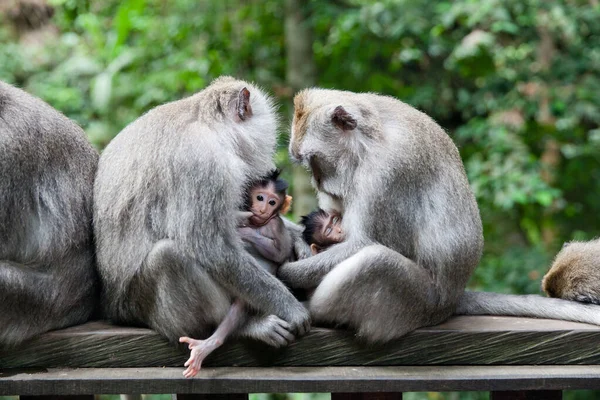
[
  {"x": 527, "y": 395},
  {"x": 301, "y": 380},
  {"x": 476, "y": 340}
]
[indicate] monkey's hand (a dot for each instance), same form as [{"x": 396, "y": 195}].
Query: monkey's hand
[
  {"x": 269, "y": 329},
  {"x": 200, "y": 349},
  {"x": 241, "y": 218},
  {"x": 299, "y": 319}
]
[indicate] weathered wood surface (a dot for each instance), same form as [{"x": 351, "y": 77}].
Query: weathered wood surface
[
  {"x": 462, "y": 340},
  {"x": 301, "y": 379}
]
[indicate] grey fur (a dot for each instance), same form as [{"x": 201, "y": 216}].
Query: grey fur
[
  {"x": 166, "y": 192},
  {"x": 413, "y": 229},
  {"x": 47, "y": 167}
]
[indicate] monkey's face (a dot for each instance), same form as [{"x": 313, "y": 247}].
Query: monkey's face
[
  {"x": 329, "y": 230},
  {"x": 331, "y": 135},
  {"x": 265, "y": 204}
]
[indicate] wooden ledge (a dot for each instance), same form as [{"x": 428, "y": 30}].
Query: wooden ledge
[
  {"x": 300, "y": 380},
  {"x": 480, "y": 340}
]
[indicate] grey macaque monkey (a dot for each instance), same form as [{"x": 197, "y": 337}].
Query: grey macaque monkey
[
  {"x": 265, "y": 237},
  {"x": 412, "y": 225},
  {"x": 47, "y": 167},
  {"x": 169, "y": 253},
  {"x": 575, "y": 273}
]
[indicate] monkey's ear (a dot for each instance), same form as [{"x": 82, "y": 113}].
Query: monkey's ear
[
  {"x": 287, "y": 203},
  {"x": 243, "y": 109},
  {"x": 314, "y": 249},
  {"x": 343, "y": 119}
]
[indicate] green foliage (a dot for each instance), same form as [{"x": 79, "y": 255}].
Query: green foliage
[{"x": 515, "y": 83}]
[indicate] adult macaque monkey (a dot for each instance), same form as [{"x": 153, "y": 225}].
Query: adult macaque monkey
[
  {"x": 47, "y": 168},
  {"x": 167, "y": 189},
  {"x": 413, "y": 230}
]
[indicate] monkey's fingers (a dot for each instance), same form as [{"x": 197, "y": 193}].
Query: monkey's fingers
[
  {"x": 185, "y": 339},
  {"x": 190, "y": 372},
  {"x": 286, "y": 337}
]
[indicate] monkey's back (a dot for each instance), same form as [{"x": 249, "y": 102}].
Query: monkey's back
[
  {"x": 165, "y": 176},
  {"x": 433, "y": 212},
  {"x": 47, "y": 169}
]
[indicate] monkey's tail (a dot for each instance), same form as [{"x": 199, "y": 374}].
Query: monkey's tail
[{"x": 485, "y": 303}]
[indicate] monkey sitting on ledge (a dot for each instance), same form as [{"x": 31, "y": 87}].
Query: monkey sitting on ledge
[
  {"x": 265, "y": 237},
  {"x": 575, "y": 273}
]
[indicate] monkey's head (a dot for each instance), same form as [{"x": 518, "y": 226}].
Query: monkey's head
[
  {"x": 244, "y": 119},
  {"x": 332, "y": 133},
  {"x": 322, "y": 229},
  {"x": 267, "y": 198},
  {"x": 575, "y": 272}
]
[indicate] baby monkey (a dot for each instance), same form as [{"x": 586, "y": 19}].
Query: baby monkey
[
  {"x": 575, "y": 273},
  {"x": 265, "y": 237},
  {"x": 322, "y": 229}
]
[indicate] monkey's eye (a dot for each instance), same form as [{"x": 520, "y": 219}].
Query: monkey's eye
[
  {"x": 335, "y": 220},
  {"x": 328, "y": 231},
  {"x": 260, "y": 197},
  {"x": 272, "y": 203}
]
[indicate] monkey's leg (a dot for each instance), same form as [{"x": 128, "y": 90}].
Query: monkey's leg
[
  {"x": 24, "y": 302},
  {"x": 378, "y": 292},
  {"x": 36, "y": 299},
  {"x": 179, "y": 296},
  {"x": 200, "y": 349}
]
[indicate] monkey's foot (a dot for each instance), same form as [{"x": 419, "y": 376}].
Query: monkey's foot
[{"x": 200, "y": 349}]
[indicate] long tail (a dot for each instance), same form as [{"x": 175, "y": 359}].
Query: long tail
[{"x": 484, "y": 303}]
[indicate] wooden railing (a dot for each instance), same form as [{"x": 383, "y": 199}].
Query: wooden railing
[{"x": 513, "y": 358}]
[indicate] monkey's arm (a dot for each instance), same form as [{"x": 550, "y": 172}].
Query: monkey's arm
[
  {"x": 271, "y": 241},
  {"x": 300, "y": 247},
  {"x": 309, "y": 272},
  {"x": 266, "y": 247},
  {"x": 241, "y": 218}
]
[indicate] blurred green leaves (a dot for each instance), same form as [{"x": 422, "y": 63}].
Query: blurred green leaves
[{"x": 515, "y": 83}]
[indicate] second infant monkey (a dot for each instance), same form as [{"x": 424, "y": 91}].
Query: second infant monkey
[
  {"x": 322, "y": 229},
  {"x": 267, "y": 239}
]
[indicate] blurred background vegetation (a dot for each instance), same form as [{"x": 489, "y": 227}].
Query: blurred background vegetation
[{"x": 516, "y": 84}]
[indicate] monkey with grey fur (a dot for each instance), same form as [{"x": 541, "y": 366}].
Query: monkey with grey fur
[
  {"x": 413, "y": 230},
  {"x": 47, "y": 167},
  {"x": 575, "y": 273},
  {"x": 167, "y": 189}
]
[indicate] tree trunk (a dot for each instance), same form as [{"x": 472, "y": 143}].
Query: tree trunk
[{"x": 301, "y": 72}]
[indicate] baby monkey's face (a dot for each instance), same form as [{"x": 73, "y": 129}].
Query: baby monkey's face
[
  {"x": 266, "y": 202},
  {"x": 329, "y": 230}
]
